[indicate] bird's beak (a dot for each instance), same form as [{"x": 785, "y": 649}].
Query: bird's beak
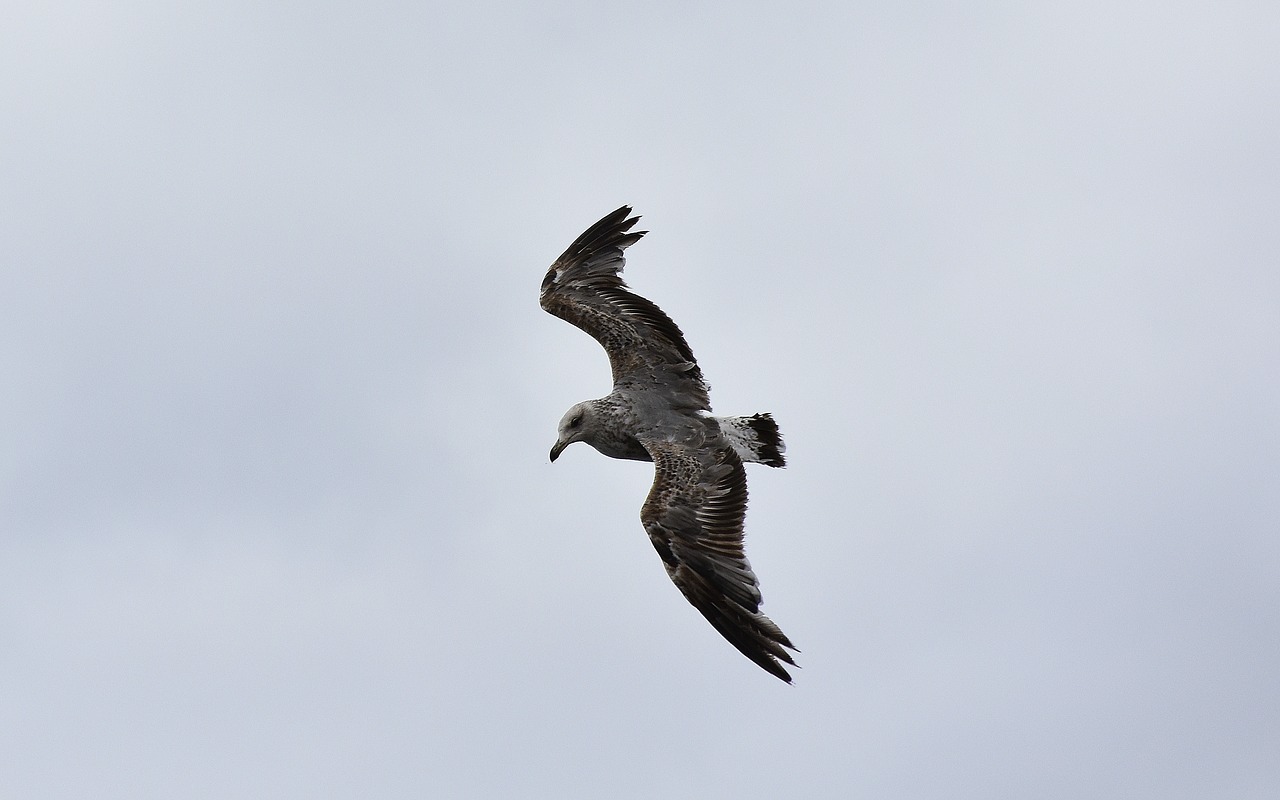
[{"x": 558, "y": 449}]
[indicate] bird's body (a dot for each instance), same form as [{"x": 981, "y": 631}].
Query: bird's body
[{"x": 659, "y": 411}]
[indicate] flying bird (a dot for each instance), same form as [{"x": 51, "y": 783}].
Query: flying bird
[{"x": 659, "y": 411}]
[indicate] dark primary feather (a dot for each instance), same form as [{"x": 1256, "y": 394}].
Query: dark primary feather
[
  {"x": 694, "y": 516},
  {"x": 646, "y": 348}
]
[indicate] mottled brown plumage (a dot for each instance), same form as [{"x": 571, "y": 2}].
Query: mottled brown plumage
[{"x": 659, "y": 411}]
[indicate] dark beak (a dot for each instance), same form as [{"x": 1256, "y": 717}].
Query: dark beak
[{"x": 558, "y": 449}]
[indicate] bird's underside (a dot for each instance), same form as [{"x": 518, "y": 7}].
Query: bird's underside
[{"x": 659, "y": 410}]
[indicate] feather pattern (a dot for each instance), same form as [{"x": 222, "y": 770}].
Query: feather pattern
[
  {"x": 646, "y": 348},
  {"x": 694, "y": 517},
  {"x": 659, "y": 411}
]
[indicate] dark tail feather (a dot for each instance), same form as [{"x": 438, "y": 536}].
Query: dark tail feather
[{"x": 756, "y": 439}]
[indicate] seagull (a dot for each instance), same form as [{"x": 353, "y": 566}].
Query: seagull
[{"x": 659, "y": 411}]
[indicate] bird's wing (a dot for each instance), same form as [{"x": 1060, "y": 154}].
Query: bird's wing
[
  {"x": 646, "y": 349},
  {"x": 694, "y": 515}
]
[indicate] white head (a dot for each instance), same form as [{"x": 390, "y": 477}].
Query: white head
[{"x": 573, "y": 427}]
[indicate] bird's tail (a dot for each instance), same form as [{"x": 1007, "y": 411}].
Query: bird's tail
[{"x": 755, "y": 439}]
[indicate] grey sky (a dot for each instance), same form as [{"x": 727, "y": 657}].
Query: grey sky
[{"x": 275, "y": 513}]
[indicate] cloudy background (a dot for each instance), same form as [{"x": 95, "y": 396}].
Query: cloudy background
[{"x": 276, "y": 517}]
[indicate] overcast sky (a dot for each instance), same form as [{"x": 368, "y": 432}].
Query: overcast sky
[{"x": 276, "y": 516}]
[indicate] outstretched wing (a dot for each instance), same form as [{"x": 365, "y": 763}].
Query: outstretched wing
[
  {"x": 646, "y": 349},
  {"x": 694, "y": 515}
]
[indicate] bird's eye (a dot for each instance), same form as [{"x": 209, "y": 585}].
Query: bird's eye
[{"x": 576, "y": 421}]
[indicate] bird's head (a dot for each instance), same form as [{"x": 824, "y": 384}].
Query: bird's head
[{"x": 573, "y": 427}]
